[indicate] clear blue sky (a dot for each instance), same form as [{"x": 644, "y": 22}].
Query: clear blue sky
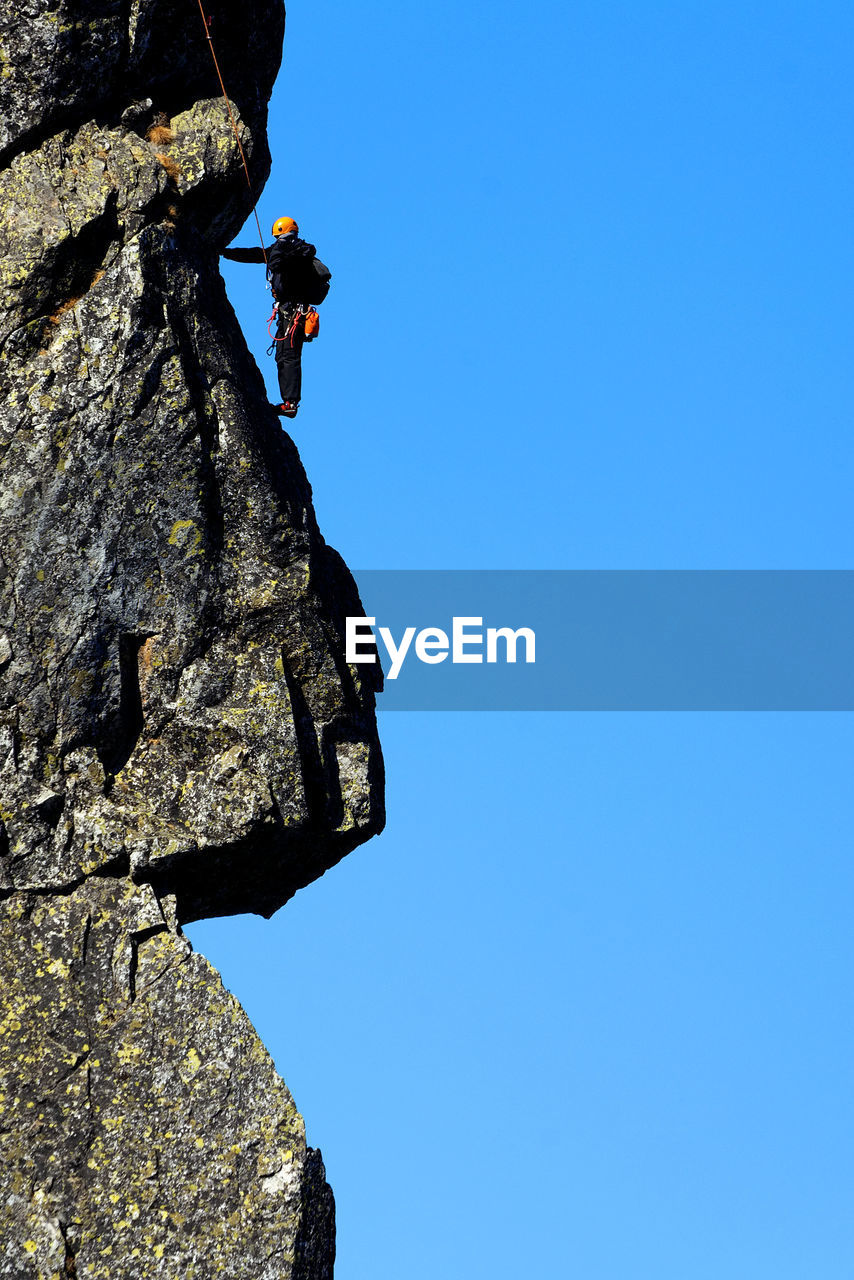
[{"x": 584, "y": 1009}]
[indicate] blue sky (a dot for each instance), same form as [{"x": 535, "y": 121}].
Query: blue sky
[{"x": 583, "y": 1009}]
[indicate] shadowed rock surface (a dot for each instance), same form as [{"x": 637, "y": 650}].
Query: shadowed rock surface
[{"x": 180, "y": 734}]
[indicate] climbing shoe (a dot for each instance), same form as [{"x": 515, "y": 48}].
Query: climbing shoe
[{"x": 288, "y": 409}]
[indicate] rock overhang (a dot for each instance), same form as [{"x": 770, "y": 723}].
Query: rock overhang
[
  {"x": 180, "y": 733},
  {"x": 168, "y": 603}
]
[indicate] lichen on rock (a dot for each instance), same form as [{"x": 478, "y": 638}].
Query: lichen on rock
[
  {"x": 145, "y": 1131},
  {"x": 180, "y": 733}
]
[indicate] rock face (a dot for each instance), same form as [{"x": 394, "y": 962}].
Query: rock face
[
  {"x": 180, "y": 734},
  {"x": 145, "y": 1131}
]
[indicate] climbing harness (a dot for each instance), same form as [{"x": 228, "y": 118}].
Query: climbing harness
[
  {"x": 233, "y": 125},
  {"x": 291, "y": 317}
]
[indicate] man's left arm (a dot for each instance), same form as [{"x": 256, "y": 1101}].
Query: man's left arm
[{"x": 244, "y": 255}]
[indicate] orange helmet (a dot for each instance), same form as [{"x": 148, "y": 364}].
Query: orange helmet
[{"x": 284, "y": 227}]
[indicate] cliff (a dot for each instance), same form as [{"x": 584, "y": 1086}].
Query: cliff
[{"x": 180, "y": 734}]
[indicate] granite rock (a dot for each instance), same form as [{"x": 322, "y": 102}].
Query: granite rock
[
  {"x": 144, "y": 1129},
  {"x": 180, "y": 733}
]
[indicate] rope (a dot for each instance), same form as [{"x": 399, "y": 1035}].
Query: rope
[
  {"x": 234, "y": 127},
  {"x": 290, "y": 332},
  {"x": 286, "y": 333}
]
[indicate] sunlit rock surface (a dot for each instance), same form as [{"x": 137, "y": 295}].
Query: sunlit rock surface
[
  {"x": 145, "y": 1131},
  {"x": 180, "y": 734}
]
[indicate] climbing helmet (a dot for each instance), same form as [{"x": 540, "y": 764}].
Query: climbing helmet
[{"x": 284, "y": 227}]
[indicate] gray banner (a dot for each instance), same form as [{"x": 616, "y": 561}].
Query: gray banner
[{"x": 670, "y": 640}]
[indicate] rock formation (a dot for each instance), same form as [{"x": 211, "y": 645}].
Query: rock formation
[{"x": 180, "y": 734}]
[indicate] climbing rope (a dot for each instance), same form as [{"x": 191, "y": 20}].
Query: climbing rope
[
  {"x": 290, "y": 332},
  {"x": 234, "y": 127}
]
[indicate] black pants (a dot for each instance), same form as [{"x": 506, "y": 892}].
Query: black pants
[{"x": 289, "y": 342}]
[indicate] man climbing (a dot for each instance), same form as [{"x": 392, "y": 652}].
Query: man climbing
[{"x": 299, "y": 281}]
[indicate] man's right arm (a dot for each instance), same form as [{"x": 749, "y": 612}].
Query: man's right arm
[{"x": 244, "y": 255}]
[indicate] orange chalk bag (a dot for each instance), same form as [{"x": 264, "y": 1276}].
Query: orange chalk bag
[{"x": 312, "y": 324}]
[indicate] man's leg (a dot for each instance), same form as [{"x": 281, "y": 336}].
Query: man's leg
[{"x": 289, "y": 362}]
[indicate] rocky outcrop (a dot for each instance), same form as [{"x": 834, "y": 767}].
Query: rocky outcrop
[
  {"x": 180, "y": 734},
  {"x": 145, "y": 1131}
]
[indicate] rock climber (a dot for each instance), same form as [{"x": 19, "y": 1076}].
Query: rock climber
[{"x": 299, "y": 281}]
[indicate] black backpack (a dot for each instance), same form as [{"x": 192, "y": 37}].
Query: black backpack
[
  {"x": 298, "y": 278},
  {"x": 318, "y": 278}
]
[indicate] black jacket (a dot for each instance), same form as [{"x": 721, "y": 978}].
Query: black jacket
[{"x": 289, "y": 262}]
